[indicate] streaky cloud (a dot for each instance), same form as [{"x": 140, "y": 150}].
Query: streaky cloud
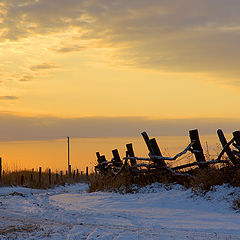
[
  {"x": 10, "y": 97},
  {"x": 14, "y": 127},
  {"x": 43, "y": 66},
  {"x": 68, "y": 49}
]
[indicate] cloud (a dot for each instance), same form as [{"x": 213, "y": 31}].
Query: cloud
[
  {"x": 176, "y": 36},
  {"x": 67, "y": 49},
  {"x": 14, "y": 127},
  {"x": 43, "y": 66},
  {"x": 26, "y": 78},
  {"x": 9, "y": 98}
]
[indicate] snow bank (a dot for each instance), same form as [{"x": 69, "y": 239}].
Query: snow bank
[{"x": 156, "y": 211}]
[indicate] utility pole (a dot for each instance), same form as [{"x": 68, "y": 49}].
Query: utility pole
[{"x": 69, "y": 168}]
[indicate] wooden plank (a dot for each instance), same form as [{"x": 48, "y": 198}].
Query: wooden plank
[
  {"x": 228, "y": 149},
  {"x": 156, "y": 151},
  {"x": 117, "y": 160},
  {"x": 146, "y": 139},
  {"x": 197, "y": 147},
  {"x": 198, "y": 164},
  {"x": 131, "y": 153}
]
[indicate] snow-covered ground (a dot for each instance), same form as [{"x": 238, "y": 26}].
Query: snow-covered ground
[{"x": 155, "y": 212}]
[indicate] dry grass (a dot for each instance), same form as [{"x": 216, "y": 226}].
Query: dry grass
[
  {"x": 203, "y": 179},
  {"x": 31, "y": 179}
]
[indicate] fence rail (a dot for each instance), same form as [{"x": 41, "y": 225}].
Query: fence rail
[{"x": 156, "y": 161}]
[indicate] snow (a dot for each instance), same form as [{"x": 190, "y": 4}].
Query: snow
[{"x": 156, "y": 211}]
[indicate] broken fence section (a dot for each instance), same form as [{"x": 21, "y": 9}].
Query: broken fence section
[{"x": 156, "y": 161}]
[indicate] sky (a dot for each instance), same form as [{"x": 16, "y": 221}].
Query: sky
[{"x": 96, "y": 68}]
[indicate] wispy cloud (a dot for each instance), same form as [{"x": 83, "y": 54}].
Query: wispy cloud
[
  {"x": 26, "y": 78},
  {"x": 67, "y": 49},
  {"x": 9, "y": 98},
  {"x": 14, "y": 127},
  {"x": 43, "y": 66}
]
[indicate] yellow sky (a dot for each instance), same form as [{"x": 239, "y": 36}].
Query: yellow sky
[
  {"x": 91, "y": 69},
  {"x": 157, "y": 59}
]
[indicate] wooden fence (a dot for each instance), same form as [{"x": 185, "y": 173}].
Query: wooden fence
[
  {"x": 40, "y": 179},
  {"x": 157, "y": 162}
]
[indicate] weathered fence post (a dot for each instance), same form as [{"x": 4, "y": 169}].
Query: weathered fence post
[
  {"x": 153, "y": 149},
  {"x": 22, "y": 180},
  {"x": 40, "y": 176},
  {"x": 156, "y": 151},
  {"x": 131, "y": 153},
  {"x": 227, "y": 149},
  {"x": 31, "y": 176},
  {"x": 61, "y": 174},
  {"x": 86, "y": 171},
  {"x": 77, "y": 173},
  {"x": 117, "y": 159},
  {"x": 57, "y": 178},
  {"x": 146, "y": 139},
  {"x": 70, "y": 170},
  {"x": 197, "y": 147},
  {"x": 49, "y": 176},
  {"x": 98, "y": 157},
  {"x": 74, "y": 173}
]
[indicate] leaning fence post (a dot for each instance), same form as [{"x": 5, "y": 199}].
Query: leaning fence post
[
  {"x": 197, "y": 147},
  {"x": 153, "y": 148},
  {"x": 131, "y": 153},
  {"x": 228, "y": 149},
  {"x": 156, "y": 151},
  {"x": 146, "y": 139}
]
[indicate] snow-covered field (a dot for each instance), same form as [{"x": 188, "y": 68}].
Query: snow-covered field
[{"x": 155, "y": 212}]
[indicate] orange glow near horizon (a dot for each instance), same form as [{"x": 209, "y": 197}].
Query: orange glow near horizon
[{"x": 52, "y": 154}]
